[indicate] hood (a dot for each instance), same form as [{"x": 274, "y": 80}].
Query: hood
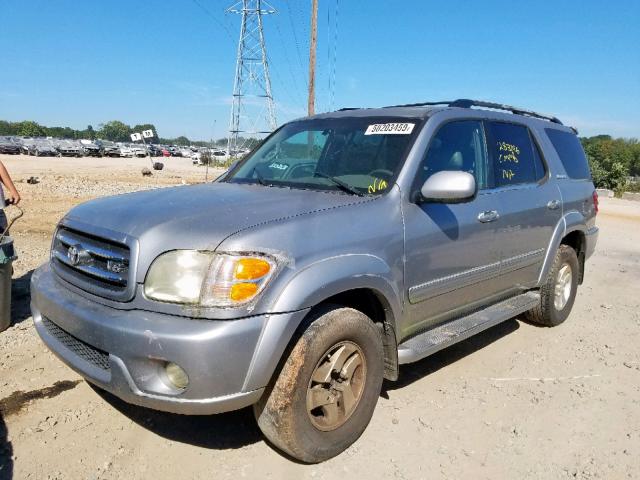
[{"x": 198, "y": 216}]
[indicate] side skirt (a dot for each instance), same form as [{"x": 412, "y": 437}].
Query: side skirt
[{"x": 438, "y": 338}]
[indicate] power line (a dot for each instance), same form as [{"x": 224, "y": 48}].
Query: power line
[
  {"x": 295, "y": 35},
  {"x": 335, "y": 58},
  {"x": 215, "y": 19},
  {"x": 326, "y": 109},
  {"x": 294, "y": 77},
  {"x": 312, "y": 57},
  {"x": 279, "y": 81}
]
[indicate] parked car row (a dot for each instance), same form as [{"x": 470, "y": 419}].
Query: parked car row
[
  {"x": 89, "y": 148},
  {"x": 48, "y": 147},
  {"x": 7, "y": 145}
]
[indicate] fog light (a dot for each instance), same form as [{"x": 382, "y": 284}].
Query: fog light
[{"x": 176, "y": 375}]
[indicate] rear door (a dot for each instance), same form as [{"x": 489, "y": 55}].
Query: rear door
[{"x": 529, "y": 201}]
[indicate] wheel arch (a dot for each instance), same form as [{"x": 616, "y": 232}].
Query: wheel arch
[
  {"x": 570, "y": 230},
  {"x": 577, "y": 240},
  {"x": 374, "y": 305}
]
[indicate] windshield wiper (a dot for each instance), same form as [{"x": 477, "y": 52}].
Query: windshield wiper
[
  {"x": 345, "y": 187},
  {"x": 260, "y": 178}
]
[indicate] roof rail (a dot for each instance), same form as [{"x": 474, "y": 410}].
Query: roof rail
[
  {"x": 466, "y": 103},
  {"x": 424, "y": 104}
]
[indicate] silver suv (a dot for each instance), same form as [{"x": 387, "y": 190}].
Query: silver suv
[{"x": 345, "y": 245}]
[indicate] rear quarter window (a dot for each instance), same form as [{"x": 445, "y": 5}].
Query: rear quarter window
[{"x": 571, "y": 153}]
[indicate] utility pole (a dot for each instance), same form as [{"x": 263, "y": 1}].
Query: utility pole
[
  {"x": 256, "y": 117},
  {"x": 312, "y": 57}
]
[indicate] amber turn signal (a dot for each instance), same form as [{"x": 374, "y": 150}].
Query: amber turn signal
[
  {"x": 251, "y": 268},
  {"x": 243, "y": 291}
]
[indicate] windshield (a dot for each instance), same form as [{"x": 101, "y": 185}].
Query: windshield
[{"x": 354, "y": 155}]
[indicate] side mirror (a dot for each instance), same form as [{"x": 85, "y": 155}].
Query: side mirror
[{"x": 449, "y": 186}]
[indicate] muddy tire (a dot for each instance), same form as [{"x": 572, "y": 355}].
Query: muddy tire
[
  {"x": 327, "y": 389},
  {"x": 559, "y": 291}
]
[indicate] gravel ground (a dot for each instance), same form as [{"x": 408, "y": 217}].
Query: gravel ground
[{"x": 517, "y": 401}]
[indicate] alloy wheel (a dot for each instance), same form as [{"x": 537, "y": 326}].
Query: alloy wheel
[
  {"x": 562, "y": 290},
  {"x": 336, "y": 386}
]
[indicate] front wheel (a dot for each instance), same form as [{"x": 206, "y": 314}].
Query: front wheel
[
  {"x": 327, "y": 390},
  {"x": 559, "y": 291}
]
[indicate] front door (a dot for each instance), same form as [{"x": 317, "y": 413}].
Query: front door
[{"x": 451, "y": 253}]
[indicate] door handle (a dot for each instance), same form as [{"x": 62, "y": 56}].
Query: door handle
[
  {"x": 553, "y": 204},
  {"x": 488, "y": 216}
]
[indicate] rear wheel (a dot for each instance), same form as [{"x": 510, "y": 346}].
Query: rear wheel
[
  {"x": 327, "y": 390},
  {"x": 559, "y": 291}
]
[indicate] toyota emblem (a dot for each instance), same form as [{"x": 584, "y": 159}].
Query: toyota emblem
[{"x": 77, "y": 255}]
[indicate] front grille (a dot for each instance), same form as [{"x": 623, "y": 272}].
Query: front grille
[
  {"x": 85, "y": 351},
  {"x": 90, "y": 262}
]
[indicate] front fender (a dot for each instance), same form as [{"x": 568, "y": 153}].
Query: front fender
[
  {"x": 309, "y": 287},
  {"x": 330, "y": 276}
]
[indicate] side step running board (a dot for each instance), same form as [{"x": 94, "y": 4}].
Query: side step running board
[{"x": 436, "y": 339}]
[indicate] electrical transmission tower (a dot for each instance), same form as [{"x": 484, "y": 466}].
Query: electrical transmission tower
[{"x": 252, "y": 109}]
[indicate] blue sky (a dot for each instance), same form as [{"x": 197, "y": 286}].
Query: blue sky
[{"x": 72, "y": 63}]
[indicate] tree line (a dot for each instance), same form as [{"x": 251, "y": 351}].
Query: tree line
[
  {"x": 115, "y": 131},
  {"x": 613, "y": 161}
]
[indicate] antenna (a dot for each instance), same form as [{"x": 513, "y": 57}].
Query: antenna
[{"x": 252, "y": 108}]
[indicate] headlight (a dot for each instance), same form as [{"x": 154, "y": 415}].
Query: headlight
[{"x": 207, "y": 279}]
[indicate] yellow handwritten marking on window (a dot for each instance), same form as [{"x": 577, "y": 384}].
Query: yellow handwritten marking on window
[
  {"x": 508, "y": 174},
  {"x": 508, "y": 152},
  {"x": 377, "y": 185}
]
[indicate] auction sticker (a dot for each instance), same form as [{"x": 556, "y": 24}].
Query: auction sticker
[{"x": 390, "y": 129}]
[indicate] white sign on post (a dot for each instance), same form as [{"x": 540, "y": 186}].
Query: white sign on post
[
  {"x": 147, "y": 133},
  {"x": 135, "y": 137}
]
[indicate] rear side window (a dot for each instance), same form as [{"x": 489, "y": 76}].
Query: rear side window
[
  {"x": 515, "y": 156},
  {"x": 571, "y": 153}
]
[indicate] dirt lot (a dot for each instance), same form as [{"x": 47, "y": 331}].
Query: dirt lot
[{"x": 515, "y": 402}]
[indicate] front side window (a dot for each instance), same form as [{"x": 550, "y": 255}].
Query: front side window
[
  {"x": 516, "y": 159},
  {"x": 354, "y": 155},
  {"x": 458, "y": 145}
]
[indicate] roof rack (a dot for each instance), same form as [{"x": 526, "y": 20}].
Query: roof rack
[
  {"x": 466, "y": 103},
  {"x": 422, "y": 104}
]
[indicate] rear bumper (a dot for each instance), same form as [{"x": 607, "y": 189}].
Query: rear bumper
[
  {"x": 591, "y": 238},
  {"x": 125, "y": 351}
]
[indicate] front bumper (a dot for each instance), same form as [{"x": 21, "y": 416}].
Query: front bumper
[{"x": 125, "y": 351}]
